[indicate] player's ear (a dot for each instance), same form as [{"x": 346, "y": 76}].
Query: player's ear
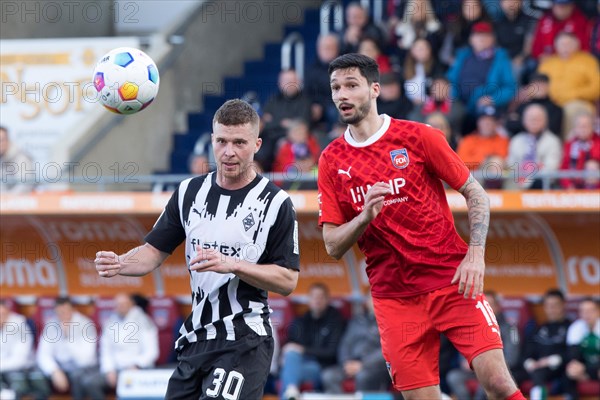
[
  {"x": 375, "y": 90},
  {"x": 258, "y": 145}
]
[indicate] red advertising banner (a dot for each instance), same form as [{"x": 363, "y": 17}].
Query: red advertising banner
[{"x": 536, "y": 241}]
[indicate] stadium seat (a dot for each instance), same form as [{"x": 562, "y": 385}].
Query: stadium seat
[
  {"x": 590, "y": 388},
  {"x": 44, "y": 312},
  {"x": 10, "y": 303},
  {"x": 104, "y": 307},
  {"x": 517, "y": 312},
  {"x": 282, "y": 315},
  {"x": 572, "y": 308},
  {"x": 165, "y": 314},
  {"x": 344, "y": 306}
]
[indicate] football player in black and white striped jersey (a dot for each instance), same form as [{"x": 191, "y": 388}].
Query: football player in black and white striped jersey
[{"x": 241, "y": 241}]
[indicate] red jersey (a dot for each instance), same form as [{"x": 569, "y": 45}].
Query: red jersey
[
  {"x": 548, "y": 27},
  {"x": 412, "y": 246}
]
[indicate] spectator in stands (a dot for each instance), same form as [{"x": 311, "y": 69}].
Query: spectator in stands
[
  {"x": 459, "y": 29},
  {"x": 13, "y": 164},
  {"x": 534, "y": 150},
  {"x": 130, "y": 341},
  {"x": 482, "y": 74},
  {"x": 486, "y": 149},
  {"x": 18, "y": 373},
  {"x": 439, "y": 121},
  {"x": 312, "y": 345},
  {"x": 359, "y": 25},
  {"x": 564, "y": 16},
  {"x": 583, "y": 146},
  {"x": 391, "y": 100},
  {"x": 536, "y": 92},
  {"x": 514, "y": 32},
  {"x": 359, "y": 356},
  {"x": 439, "y": 100},
  {"x": 67, "y": 352},
  {"x": 445, "y": 11},
  {"x": 317, "y": 82},
  {"x": 420, "y": 67},
  {"x": 202, "y": 160},
  {"x": 457, "y": 378},
  {"x": 368, "y": 46},
  {"x": 417, "y": 22},
  {"x": 583, "y": 341},
  {"x": 297, "y": 156},
  {"x": 290, "y": 102},
  {"x": 546, "y": 351},
  {"x": 574, "y": 77},
  {"x": 595, "y": 34}
]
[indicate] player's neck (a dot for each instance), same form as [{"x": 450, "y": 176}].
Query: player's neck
[
  {"x": 367, "y": 127},
  {"x": 237, "y": 182}
]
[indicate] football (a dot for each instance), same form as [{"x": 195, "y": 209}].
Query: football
[{"x": 126, "y": 80}]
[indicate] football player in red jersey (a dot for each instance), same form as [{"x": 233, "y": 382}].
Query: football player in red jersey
[{"x": 380, "y": 185}]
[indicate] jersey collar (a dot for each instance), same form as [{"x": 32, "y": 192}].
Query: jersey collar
[{"x": 386, "y": 124}]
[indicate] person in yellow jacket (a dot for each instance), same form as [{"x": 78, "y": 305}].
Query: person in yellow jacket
[{"x": 574, "y": 78}]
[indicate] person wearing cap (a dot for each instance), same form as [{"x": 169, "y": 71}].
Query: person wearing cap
[
  {"x": 536, "y": 92},
  {"x": 482, "y": 74},
  {"x": 486, "y": 148},
  {"x": 564, "y": 16}
]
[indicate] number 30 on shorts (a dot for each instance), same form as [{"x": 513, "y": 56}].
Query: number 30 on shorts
[{"x": 229, "y": 385}]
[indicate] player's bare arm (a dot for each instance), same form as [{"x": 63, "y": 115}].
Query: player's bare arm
[
  {"x": 471, "y": 270},
  {"x": 270, "y": 277},
  {"x": 340, "y": 238},
  {"x": 136, "y": 262}
]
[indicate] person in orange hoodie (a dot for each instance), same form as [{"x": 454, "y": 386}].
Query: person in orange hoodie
[{"x": 486, "y": 148}]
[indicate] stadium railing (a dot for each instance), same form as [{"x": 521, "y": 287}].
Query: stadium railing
[{"x": 167, "y": 182}]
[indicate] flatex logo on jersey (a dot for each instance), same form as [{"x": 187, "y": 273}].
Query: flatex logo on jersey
[
  {"x": 233, "y": 251},
  {"x": 399, "y": 158}
]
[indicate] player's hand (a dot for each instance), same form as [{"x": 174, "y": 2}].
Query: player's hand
[
  {"x": 374, "y": 200},
  {"x": 108, "y": 264},
  {"x": 469, "y": 273},
  {"x": 212, "y": 260}
]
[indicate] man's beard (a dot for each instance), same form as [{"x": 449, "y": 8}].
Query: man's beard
[{"x": 361, "y": 113}]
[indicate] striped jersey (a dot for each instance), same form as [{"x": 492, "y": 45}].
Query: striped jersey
[{"x": 256, "y": 223}]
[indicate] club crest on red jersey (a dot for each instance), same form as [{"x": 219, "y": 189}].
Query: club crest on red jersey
[{"x": 399, "y": 158}]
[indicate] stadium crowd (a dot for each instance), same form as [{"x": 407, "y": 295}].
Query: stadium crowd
[
  {"x": 324, "y": 345},
  {"x": 516, "y": 93}
]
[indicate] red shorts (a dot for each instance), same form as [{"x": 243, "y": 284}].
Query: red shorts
[{"x": 410, "y": 330}]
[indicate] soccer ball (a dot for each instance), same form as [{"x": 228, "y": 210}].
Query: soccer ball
[{"x": 126, "y": 80}]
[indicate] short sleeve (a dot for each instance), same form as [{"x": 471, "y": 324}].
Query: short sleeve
[
  {"x": 168, "y": 233},
  {"x": 329, "y": 207},
  {"x": 441, "y": 160},
  {"x": 283, "y": 247}
]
